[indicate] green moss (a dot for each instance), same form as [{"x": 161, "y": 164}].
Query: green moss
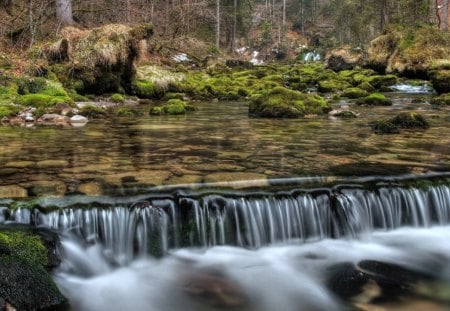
[
  {"x": 374, "y": 99},
  {"x": 42, "y": 100},
  {"x": 91, "y": 111},
  {"x": 24, "y": 245},
  {"x": 175, "y": 106},
  {"x": 354, "y": 92},
  {"x": 117, "y": 98},
  {"x": 146, "y": 89},
  {"x": 284, "y": 103},
  {"x": 31, "y": 85},
  {"x": 124, "y": 112},
  {"x": 157, "y": 111},
  {"x": 8, "y": 110},
  {"x": 328, "y": 86},
  {"x": 408, "y": 120},
  {"x": 171, "y": 95},
  {"x": 379, "y": 81},
  {"x": 366, "y": 86},
  {"x": 442, "y": 100}
]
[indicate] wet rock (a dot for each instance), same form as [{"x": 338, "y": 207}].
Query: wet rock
[
  {"x": 78, "y": 120},
  {"x": 151, "y": 178},
  {"x": 411, "y": 120},
  {"x": 13, "y": 192},
  {"x": 237, "y": 179},
  {"x": 185, "y": 179},
  {"x": 91, "y": 188},
  {"x": 345, "y": 114},
  {"x": 52, "y": 163},
  {"x": 214, "y": 288},
  {"x": 384, "y": 127},
  {"x": 53, "y": 119},
  {"x": 20, "y": 164},
  {"x": 48, "y": 188}
]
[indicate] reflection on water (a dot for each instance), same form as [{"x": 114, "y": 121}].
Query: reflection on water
[{"x": 217, "y": 143}]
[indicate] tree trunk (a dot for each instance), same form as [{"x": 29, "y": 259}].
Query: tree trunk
[
  {"x": 384, "y": 13},
  {"x": 233, "y": 39},
  {"x": 217, "y": 24},
  {"x": 64, "y": 12}
]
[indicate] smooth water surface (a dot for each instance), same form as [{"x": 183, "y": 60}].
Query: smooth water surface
[{"x": 219, "y": 142}]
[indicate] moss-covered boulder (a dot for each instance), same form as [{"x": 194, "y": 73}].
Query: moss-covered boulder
[
  {"x": 26, "y": 254},
  {"x": 440, "y": 78},
  {"x": 408, "y": 51},
  {"x": 98, "y": 60},
  {"x": 404, "y": 120},
  {"x": 327, "y": 86},
  {"x": 284, "y": 103},
  {"x": 374, "y": 99},
  {"x": 172, "y": 107},
  {"x": 354, "y": 92},
  {"x": 410, "y": 120},
  {"x": 442, "y": 100}
]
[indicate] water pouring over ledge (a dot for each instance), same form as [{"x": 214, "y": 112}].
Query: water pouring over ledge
[{"x": 287, "y": 247}]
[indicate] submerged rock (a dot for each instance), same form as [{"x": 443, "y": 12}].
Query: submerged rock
[
  {"x": 442, "y": 100},
  {"x": 53, "y": 119},
  {"x": 401, "y": 121},
  {"x": 345, "y": 114}
]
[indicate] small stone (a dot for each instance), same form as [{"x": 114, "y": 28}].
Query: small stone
[
  {"x": 343, "y": 114},
  {"x": 78, "y": 119}
]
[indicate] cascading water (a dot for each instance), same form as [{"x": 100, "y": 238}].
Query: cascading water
[{"x": 254, "y": 250}]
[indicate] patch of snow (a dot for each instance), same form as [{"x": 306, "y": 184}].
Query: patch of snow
[
  {"x": 180, "y": 58},
  {"x": 255, "y": 60}
]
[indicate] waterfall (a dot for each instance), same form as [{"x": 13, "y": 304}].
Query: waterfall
[{"x": 251, "y": 220}]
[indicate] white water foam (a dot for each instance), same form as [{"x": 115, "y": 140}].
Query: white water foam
[{"x": 280, "y": 277}]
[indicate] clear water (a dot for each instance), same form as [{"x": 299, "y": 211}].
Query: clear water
[{"x": 217, "y": 143}]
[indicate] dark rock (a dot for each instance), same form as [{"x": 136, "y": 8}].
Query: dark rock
[
  {"x": 384, "y": 127},
  {"x": 345, "y": 280},
  {"x": 408, "y": 120},
  {"x": 442, "y": 100},
  {"x": 239, "y": 63},
  {"x": 343, "y": 59}
]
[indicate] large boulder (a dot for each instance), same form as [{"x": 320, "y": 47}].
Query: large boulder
[
  {"x": 284, "y": 103},
  {"x": 26, "y": 255},
  {"x": 344, "y": 58},
  {"x": 98, "y": 60},
  {"x": 408, "y": 52}
]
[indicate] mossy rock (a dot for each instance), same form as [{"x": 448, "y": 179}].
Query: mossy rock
[
  {"x": 172, "y": 107},
  {"x": 24, "y": 256},
  {"x": 284, "y": 103},
  {"x": 328, "y": 86},
  {"x": 409, "y": 120},
  {"x": 171, "y": 95},
  {"x": 43, "y": 100},
  {"x": 366, "y": 86},
  {"x": 385, "y": 127},
  {"x": 93, "y": 112},
  {"x": 374, "y": 99},
  {"x": 379, "y": 81},
  {"x": 146, "y": 89},
  {"x": 442, "y": 100},
  {"x": 117, "y": 98},
  {"x": 440, "y": 80},
  {"x": 354, "y": 92}
]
